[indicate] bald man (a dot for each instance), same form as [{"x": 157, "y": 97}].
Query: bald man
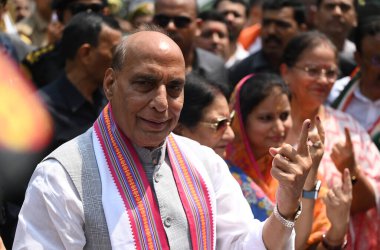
[{"x": 129, "y": 183}]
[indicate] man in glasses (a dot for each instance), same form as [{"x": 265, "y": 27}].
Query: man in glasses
[
  {"x": 179, "y": 19},
  {"x": 361, "y": 96},
  {"x": 46, "y": 63}
]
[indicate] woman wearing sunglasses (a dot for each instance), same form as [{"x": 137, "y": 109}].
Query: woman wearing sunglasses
[
  {"x": 205, "y": 116},
  {"x": 262, "y": 121},
  {"x": 310, "y": 69}
]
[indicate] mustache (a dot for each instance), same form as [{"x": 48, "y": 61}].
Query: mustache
[{"x": 273, "y": 38}]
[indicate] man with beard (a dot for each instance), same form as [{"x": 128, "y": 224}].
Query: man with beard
[
  {"x": 336, "y": 18},
  {"x": 282, "y": 20},
  {"x": 235, "y": 13},
  {"x": 361, "y": 96},
  {"x": 179, "y": 19}
]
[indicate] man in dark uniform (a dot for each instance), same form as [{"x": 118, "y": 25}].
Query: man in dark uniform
[
  {"x": 45, "y": 64},
  {"x": 75, "y": 98}
]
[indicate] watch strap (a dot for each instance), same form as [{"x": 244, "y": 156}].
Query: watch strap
[{"x": 312, "y": 194}]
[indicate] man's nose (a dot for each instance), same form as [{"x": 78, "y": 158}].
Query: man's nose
[{"x": 160, "y": 101}]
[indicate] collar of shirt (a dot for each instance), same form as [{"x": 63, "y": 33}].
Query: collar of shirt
[
  {"x": 151, "y": 157},
  {"x": 358, "y": 95}
]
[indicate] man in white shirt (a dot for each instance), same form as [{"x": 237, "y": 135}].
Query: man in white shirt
[
  {"x": 360, "y": 96},
  {"x": 129, "y": 183}
]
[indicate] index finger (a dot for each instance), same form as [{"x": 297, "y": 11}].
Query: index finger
[
  {"x": 348, "y": 137},
  {"x": 321, "y": 130},
  {"x": 347, "y": 183},
  {"x": 302, "y": 146}
]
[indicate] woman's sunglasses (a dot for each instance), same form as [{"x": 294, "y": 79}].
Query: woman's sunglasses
[{"x": 221, "y": 123}]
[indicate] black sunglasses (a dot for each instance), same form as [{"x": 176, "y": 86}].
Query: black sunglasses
[
  {"x": 76, "y": 8},
  {"x": 179, "y": 21}
]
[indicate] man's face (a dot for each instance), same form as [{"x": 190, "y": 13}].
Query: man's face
[
  {"x": 214, "y": 38},
  {"x": 369, "y": 59},
  {"x": 178, "y": 18},
  {"x": 101, "y": 55},
  {"x": 278, "y": 27},
  {"x": 336, "y": 17},
  {"x": 235, "y": 15},
  {"x": 147, "y": 95}
]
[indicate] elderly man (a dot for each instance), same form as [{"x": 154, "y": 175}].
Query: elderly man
[{"x": 129, "y": 183}]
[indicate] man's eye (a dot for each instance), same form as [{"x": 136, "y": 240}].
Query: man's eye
[{"x": 175, "y": 90}]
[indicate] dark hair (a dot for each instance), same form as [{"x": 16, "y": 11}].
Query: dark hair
[
  {"x": 255, "y": 3},
  {"x": 355, "y": 2},
  {"x": 199, "y": 94},
  {"x": 84, "y": 28},
  {"x": 257, "y": 88},
  {"x": 297, "y": 6},
  {"x": 242, "y": 2},
  {"x": 212, "y": 15},
  {"x": 303, "y": 41},
  {"x": 368, "y": 24},
  {"x": 3, "y": 3}
]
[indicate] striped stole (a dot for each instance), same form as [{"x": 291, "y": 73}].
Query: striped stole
[{"x": 137, "y": 194}]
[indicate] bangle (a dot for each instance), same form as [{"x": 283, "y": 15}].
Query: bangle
[
  {"x": 284, "y": 221},
  {"x": 327, "y": 245}
]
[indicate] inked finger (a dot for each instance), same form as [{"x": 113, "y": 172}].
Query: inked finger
[
  {"x": 320, "y": 128},
  {"x": 303, "y": 149},
  {"x": 348, "y": 137}
]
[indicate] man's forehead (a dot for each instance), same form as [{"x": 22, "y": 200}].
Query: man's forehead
[{"x": 283, "y": 13}]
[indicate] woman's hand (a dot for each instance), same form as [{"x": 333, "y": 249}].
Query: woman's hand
[
  {"x": 343, "y": 154},
  {"x": 291, "y": 167},
  {"x": 338, "y": 204}
]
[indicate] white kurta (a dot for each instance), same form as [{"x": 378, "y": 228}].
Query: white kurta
[{"x": 52, "y": 215}]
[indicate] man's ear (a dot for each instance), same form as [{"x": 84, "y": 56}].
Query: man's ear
[
  {"x": 358, "y": 58},
  {"x": 284, "y": 70},
  {"x": 109, "y": 83},
  {"x": 84, "y": 53},
  {"x": 198, "y": 23}
]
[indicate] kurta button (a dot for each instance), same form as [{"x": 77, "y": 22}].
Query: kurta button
[
  {"x": 157, "y": 177},
  {"x": 155, "y": 162},
  {"x": 168, "y": 222}
]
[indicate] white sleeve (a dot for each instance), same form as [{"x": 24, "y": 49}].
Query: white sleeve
[
  {"x": 236, "y": 227},
  {"x": 52, "y": 215}
]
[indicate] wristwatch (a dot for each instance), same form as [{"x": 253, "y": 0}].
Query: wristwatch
[
  {"x": 312, "y": 194},
  {"x": 285, "y": 222}
]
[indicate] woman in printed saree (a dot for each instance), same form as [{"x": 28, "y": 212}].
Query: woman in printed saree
[
  {"x": 262, "y": 106},
  {"x": 310, "y": 69}
]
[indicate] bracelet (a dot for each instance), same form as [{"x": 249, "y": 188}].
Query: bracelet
[
  {"x": 285, "y": 222},
  {"x": 327, "y": 245}
]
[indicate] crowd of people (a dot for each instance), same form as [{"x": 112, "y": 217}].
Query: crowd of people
[{"x": 239, "y": 124}]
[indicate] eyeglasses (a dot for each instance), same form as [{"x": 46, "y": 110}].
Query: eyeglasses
[
  {"x": 179, "y": 21},
  {"x": 221, "y": 123},
  {"x": 316, "y": 72},
  {"x": 76, "y": 8}
]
